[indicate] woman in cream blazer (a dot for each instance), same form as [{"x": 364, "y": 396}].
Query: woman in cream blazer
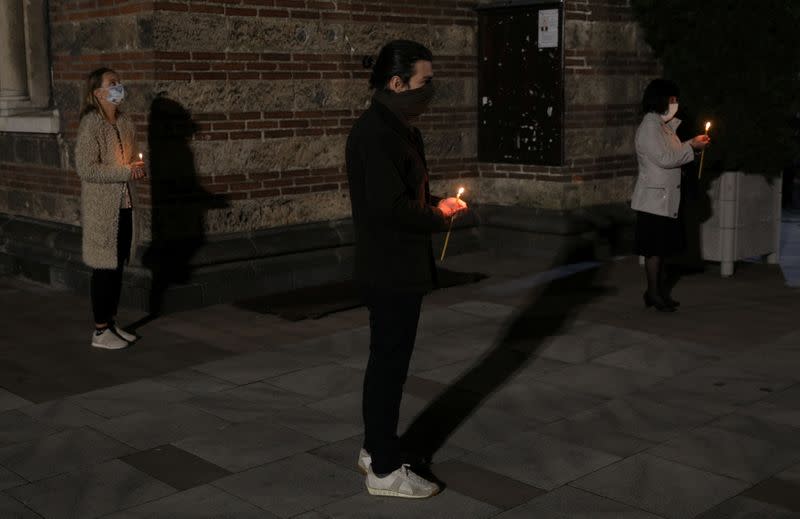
[
  {"x": 657, "y": 193},
  {"x": 106, "y": 160}
]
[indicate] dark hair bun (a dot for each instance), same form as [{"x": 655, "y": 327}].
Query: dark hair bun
[{"x": 368, "y": 62}]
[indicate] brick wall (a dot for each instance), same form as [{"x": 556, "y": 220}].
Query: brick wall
[{"x": 274, "y": 85}]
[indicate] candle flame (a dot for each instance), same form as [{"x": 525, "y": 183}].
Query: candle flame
[
  {"x": 460, "y": 192},
  {"x": 140, "y": 156},
  {"x": 708, "y": 125}
]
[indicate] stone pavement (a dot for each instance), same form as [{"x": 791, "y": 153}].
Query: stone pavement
[{"x": 540, "y": 394}]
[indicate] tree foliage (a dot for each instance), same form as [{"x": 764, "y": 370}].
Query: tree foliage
[{"x": 737, "y": 63}]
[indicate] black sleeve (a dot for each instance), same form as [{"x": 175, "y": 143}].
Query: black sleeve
[{"x": 387, "y": 195}]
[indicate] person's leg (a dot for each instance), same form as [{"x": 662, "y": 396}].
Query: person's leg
[
  {"x": 124, "y": 237},
  {"x": 102, "y": 293},
  {"x": 652, "y": 268},
  {"x": 393, "y": 328},
  {"x": 665, "y": 285}
]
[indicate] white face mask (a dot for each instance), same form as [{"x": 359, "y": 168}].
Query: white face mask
[{"x": 671, "y": 111}]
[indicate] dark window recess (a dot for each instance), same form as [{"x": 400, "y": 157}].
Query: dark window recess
[{"x": 520, "y": 87}]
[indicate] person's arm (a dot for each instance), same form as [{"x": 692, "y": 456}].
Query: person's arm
[
  {"x": 87, "y": 158},
  {"x": 663, "y": 153},
  {"x": 387, "y": 197}
]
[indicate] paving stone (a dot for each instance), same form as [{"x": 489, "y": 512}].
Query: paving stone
[
  {"x": 606, "y": 440},
  {"x": 348, "y": 408},
  {"x": 428, "y": 359},
  {"x": 602, "y": 381},
  {"x": 175, "y": 467},
  {"x": 567, "y": 502},
  {"x": 423, "y": 388},
  {"x": 9, "y": 400},
  {"x": 160, "y": 425},
  {"x": 540, "y": 461},
  {"x": 247, "y": 402},
  {"x": 253, "y": 367},
  {"x": 335, "y": 346},
  {"x": 745, "y": 508},
  {"x": 782, "y": 407},
  {"x": 540, "y": 401},
  {"x": 640, "y": 417},
  {"x": 778, "y": 492},
  {"x": 660, "y": 486},
  {"x": 93, "y": 492},
  {"x": 8, "y": 479},
  {"x": 194, "y": 381},
  {"x": 728, "y": 453},
  {"x": 293, "y": 485},
  {"x": 734, "y": 386},
  {"x": 452, "y": 372},
  {"x": 783, "y": 436},
  {"x": 437, "y": 321},
  {"x": 688, "y": 398},
  {"x": 62, "y": 452},
  {"x": 204, "y": 502},
  {"x": 480, "y": 429},
  {"x": 662, "y": 361},
  {"x": 344, "y": 452},
  {"x": 780, "y": 364},
  {"x": 62, "y": 413},
  {"x": 322, "y": 381},
  {"x": 10, "y": 508},
  {"x": 129, "y": 398},
  {"x": 316, "y": 424},
  {"x": 575, "y": 349},
  {"x": 484, "y": 485},
  {"x": 484, "y": 309},
  {"x": 448, "y": 505},
  {"x": 243, "y": 446},
  {"x": 16, "y": 427}
]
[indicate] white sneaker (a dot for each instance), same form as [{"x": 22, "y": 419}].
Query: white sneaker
[
  {"x": 364, "y": 461},
  {"x": 403, "y": 482},
  {"x": 123, "y": 334},
  {"x": 108, "y": 341}
]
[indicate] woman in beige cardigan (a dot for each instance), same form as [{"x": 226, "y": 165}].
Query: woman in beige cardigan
[
  {"x": 106, "y": 160},
  {"x": 657, "y": 194}
]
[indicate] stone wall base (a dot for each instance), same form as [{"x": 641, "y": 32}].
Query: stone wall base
[{"x": 232, "y": 267}]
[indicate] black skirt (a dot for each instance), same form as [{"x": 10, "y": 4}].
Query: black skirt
[{"x": 659, "y": 235}]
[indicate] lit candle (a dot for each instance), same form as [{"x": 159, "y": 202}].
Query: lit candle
[
  {"x": 140, "y": 156},
  {"x": 703, "y": 153},
  {"x": 450, "y": 227}
]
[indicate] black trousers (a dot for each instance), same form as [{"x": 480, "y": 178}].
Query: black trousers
[
  {"x": 106, "y": 284},
  {"x": 393, "y": 318}
]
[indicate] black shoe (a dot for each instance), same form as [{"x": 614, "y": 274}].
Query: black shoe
[
  {"x": 658, "y": 303},
  {"x": 671, "y": 302}
]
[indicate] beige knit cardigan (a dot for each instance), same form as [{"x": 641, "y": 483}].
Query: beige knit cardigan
[{"x": 104, "y": 170}]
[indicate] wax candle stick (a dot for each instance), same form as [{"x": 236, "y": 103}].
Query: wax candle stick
[
  {"x": 450, "y": 227},
  {"x": 703, "y": 154}
]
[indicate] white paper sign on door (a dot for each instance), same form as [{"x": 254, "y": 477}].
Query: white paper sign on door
[{"x": 548, "y": 28}]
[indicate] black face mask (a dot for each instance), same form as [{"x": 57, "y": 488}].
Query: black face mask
[{"x": 410, "y": 103}]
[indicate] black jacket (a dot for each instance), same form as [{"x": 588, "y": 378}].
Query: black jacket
[{"x": 393, "y": 211}]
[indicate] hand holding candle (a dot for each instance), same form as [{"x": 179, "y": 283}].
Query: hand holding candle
[
  {"x": 460, "y": 206},
  {"x": 137, "y": 171}
]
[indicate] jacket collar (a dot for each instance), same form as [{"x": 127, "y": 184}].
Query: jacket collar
[{"x": 394, "y": 120}]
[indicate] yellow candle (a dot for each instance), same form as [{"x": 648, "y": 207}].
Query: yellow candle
[
  {"x": 703, "y": 153},
  {"x": 450, "y": 227}
]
